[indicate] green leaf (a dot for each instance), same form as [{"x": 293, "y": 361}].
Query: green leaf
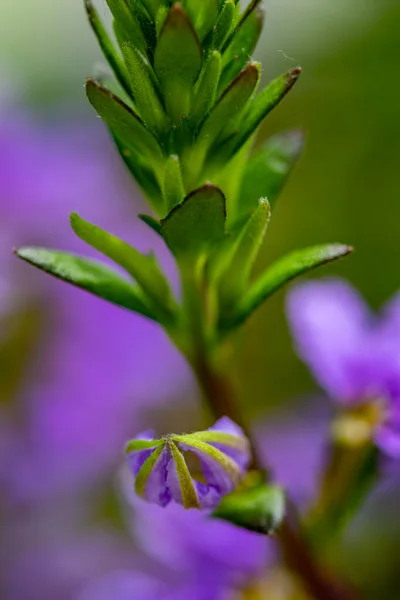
[
  {"x": 153, "y": 6},
  {"x": 89, "y": 275},
  {"x": 206, "y": 88},
  {"x": 144, "y": 269},
  {"x": 262, "y": 105},
  {"x": 126, "y": 24},
  {"x": 193, "y": 227},
  {"x": 173, "y": 191},
  {"x": 268, "y": 169},
  {"x": 142, "y": 82},
  {"x": 177, "y": 62},
  {"x": 151, "y": 222},
  {"x": 140, "y": 171},
  {"x": 260, "y": 509},
  {"x": 224, "y": 24},
  {"x": 225, "y": 113},
  {"x": 251, "y": 8},
  {"x": 124, "y": 123},
  {"x": 107, "y": 46},
  {"x": 280, "y": 273},
  {"x": 236, "y": 277},
  {"x": 202, "y": 14},
  {"x": 241, "y": 48}
]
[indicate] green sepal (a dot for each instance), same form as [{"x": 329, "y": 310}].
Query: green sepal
[
  {"x": 89, "y": 275},
  {"x": 173, "y": 190},
  {"x": 203, "y": 15},
  {"x": 144, "y": 269},
  {"x": 142, "y": 83},
  {"x": 145, "y": 471},
  {"x": 188, "y": 492},
  {"x": 220, "y": 437},
  {"x": 263, "y": 104},
  {"x": 107, "y": 46},
  {"x": 196, "y": 225},
  {"x": 124, "y": 123},
  {"x": 280, "y": 273},
  {"x": 260, "y": 509},
  {"x": 267, "y": 170},
  {"x": 236, "y": 276},
  {"x": 241, "y": 48},
  {"x": 225, "y": 23},
  {"x": 206, "y": 88},
  {"x": 135, "y": 445},
  {"x": 177, "y": 62},
  {"x": 228, "y": 464}
]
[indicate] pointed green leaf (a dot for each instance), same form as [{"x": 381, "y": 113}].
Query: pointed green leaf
[
  {"x": 267, "y": 171},
  {"x": 280, "y": 273},
  {"x": 177, "y": 62},
  {"x": 262, "y": 105},
  {"x": 89, "y": 275},
  {"x": 140, "y": 171},
  {"x": 142, "y": 82},
  {"x": 126, "y": 24},
  {"x": 144, "y": 269},
  {"x": 242, "y": 46},
  {"x": 198, "y": 223},
  {"x": 173, "y": 191},
  {"x": 260, "y": 509},
  {"x": 151, "y": 222},
  {"x": 188, "y": 492},
  {"x": 206, "y": 88},
  {"x": 251, "y": 8},
  {"x": 202, "y": 14},
  {"x": 236, "y": 277},
  {"x": 107, "y": 46},
  {"x": 225, "y": 113},
  {"x": 124, "y": 123},
  {"x": 225, "y": 24}
]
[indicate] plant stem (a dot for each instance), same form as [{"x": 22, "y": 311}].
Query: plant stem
[{"x": 319, "y": 583}]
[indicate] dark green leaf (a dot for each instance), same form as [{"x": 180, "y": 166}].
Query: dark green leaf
[
  {"x": 153, "y": 6},
  {"x": 107, "y": 46},
  {"x": 173, "y": 191},
  {"x": 126, "y": 24},
  {"x": 241, "y": 49},
  {"x": 202, "y": 14},
  {"x": 267, "y": 171},
  {"x": 262, "y": 105},
  {"x": 144, "y": 269},
  {"x": 224, "y": 25},
  {"x": 124, "y": 123},
  {"x": 151, "y": 222},
  {"x": 260, "y": 509},
  {"x": 285, "y": 269},
  {"x": 89, "y": 275},
  {"x": 177, "y": 62},
  {"x": 206, "y": 88},
  {"x": 251, "y": 8},
  {"x": 195, "y": 225},
  {"x": 142, "y": 82},
  {"x": 236, "y": 277}
]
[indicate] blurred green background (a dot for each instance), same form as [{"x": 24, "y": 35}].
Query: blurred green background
[{"x": 345, "y": 187}]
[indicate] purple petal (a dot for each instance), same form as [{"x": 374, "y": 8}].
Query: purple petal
[
  {"x": 388, "y": 435},
  {"x": 156, "y": 490},
  {"x": 332, "y": 330}
]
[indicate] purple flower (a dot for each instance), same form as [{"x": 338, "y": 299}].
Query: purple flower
[
  {"x": 162, "y": 475},
  {"x": 353, "y": 354}
]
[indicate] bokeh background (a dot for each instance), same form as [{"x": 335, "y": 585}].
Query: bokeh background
[{"x": 76, "y": 376}]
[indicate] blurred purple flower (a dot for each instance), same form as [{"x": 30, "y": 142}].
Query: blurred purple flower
[
  {"x": 353, "y": 354},
  {"x": 162, "y": 475},
  {"x": 95, "y": 368}
]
